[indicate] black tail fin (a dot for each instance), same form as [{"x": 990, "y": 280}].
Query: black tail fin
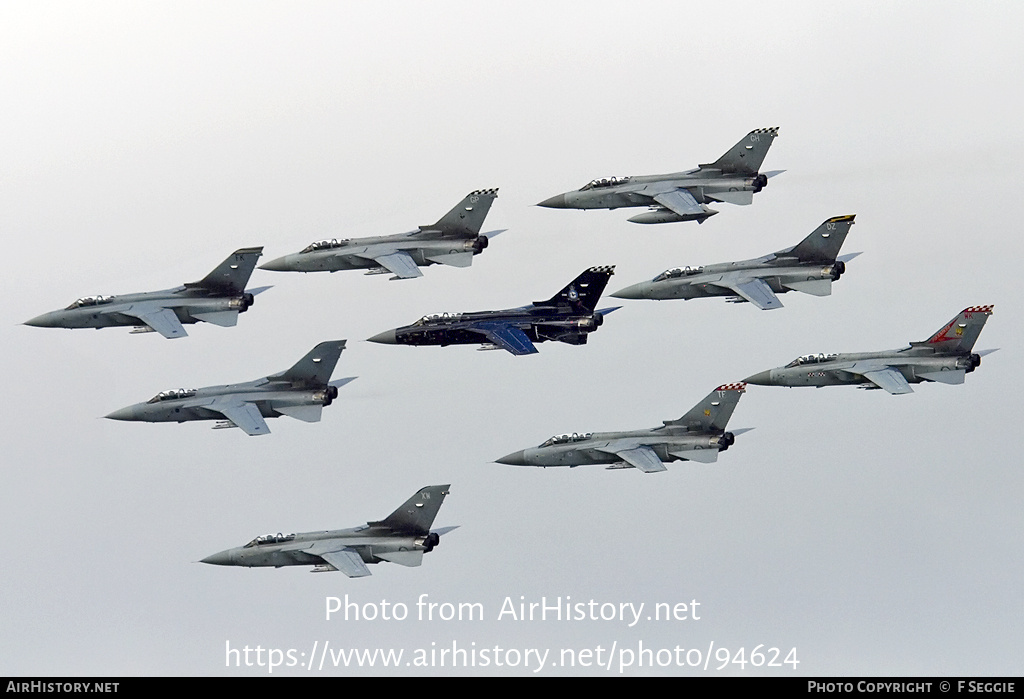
[
  {"x": 745, "y": 157},
  {"x": 315, "y": 369},
  {"x": 824, "y": 243},
  {"x": 417, "y": 513},
  {"x": 232, "y": 274},
  {"x": 583, "y": 292},
  {"x": 465, "y": 220}
]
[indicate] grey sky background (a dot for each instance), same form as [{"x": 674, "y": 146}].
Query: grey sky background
[{"x": 142, "y": 143}]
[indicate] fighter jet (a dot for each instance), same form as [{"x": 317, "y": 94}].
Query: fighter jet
[
  {"x": 568, "y": 316},
  {"x": 810, "y": 266},
  {"x": 699, "y": 435},
  {"x": 452, "y": 241},
  {"x": 682, "y": 196},
  {"x": 300, "y": 392},
  {"x": 402, "y": 537},
  {"x": 217, "y": 298},
  {"x": 945, "y": 357}
]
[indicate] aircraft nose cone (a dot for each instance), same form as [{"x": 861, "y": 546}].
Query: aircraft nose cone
[
  {"x": 222, "y": 558},
  {"x": 763, "y": 378},
  {"x": 637, "y": 291},
  {"x": 555, "y": 202},
  {"x": 129, "y": 413},
  {"x": 516, "y": 458},
  {"x": 44, "y": 321},
  {"x": 278, "y": 265},
  {"x": 388, "y": 337}
]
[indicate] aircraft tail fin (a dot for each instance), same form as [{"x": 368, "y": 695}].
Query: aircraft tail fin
[
  {"x": 315, "y": 369},
  {"x": 231, "y": 275},
  {"x": 584, "y": 291},
  {"x": 466, "y": 219},
  {"x": 824, "y": 243},
  {"x": 417, "y": 513},
  {"x": 745, "y": 157},
  {"x": 712, "y": 414},
  {"x": 959, "y": 335}
]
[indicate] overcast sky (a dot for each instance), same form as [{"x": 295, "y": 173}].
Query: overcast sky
[{"x": 142, "y": 143}]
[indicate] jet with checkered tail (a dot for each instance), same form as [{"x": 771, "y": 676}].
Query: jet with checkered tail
[
  {"x": 699, "y": 435},
  {"x": 402, "y": 537},
  {"x": 452, "y": 241},
  {"x": 810, "y": 266},
  {"x": 682, "y": 196},
  {"x": 945, "y": 357},
  {"x": 569, "y": 316}
]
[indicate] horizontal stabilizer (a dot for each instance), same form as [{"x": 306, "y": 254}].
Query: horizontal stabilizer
[
  {"x": 402, "y": 558},
  {"x": 338, "y": 383},
  {"x": 954, "y": 376},
  {"x": 772, "y": 173},
  {"x": 258, "y": 289},
  {"x": 441, "y": 531},
  {"x": 348, "y": 561},
  {"x": 704, "y": 456},
  {"x": 456, "y": 259},
  {"x": 848, "y": 256},
  {"x": 225, "y": 319},
  {"x": 814, "y": 287},
  {"x": 491, "y": 234},
  {"x": 306, "y": 413}
]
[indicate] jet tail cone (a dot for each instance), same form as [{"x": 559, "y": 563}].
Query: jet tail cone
[
  {"x": 555, "y": 202},
  {"x": 388, "y": 337},
  {"x": 763, "y": 378}
]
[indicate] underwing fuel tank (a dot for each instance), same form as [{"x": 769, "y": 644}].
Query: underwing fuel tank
[{"x": 666, "y": 216}]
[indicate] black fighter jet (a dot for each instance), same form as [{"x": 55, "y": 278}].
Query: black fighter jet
[{"x": 568, "y": 316}]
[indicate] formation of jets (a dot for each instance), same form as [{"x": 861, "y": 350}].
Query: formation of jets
[
  {"x": 402, "y": 537},
  {"x": 570, "y": 316}
]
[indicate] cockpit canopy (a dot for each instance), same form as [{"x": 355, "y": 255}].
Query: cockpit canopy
[
  {"x": 678, "y": 272},
  {"x": 604, "y": 182},
  {"x": 278, "y": 538},
  {"x": 567, "y": 438},
  {"x": 325, "y": 245},
  {"x": 811, "y": 359},
  {"x": 173, "y": 394},
  {"x": 437, "y": 316},
  {"x": 89, "y": 301}
]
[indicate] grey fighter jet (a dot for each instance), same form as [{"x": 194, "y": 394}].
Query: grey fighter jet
[
  {"x": 568, "y": 316},
  {"x": 810, "y": 266},
  {"x": 402, "y": 537},
  {"x": 300, "y": 392},
  {"x": 699, "y": 435},
  {"x": 451, "y": 241},
  {"x": 945, "y": 357},
  {"x": 217, "y": 298},
  {"x": 682, "y": 196}
]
